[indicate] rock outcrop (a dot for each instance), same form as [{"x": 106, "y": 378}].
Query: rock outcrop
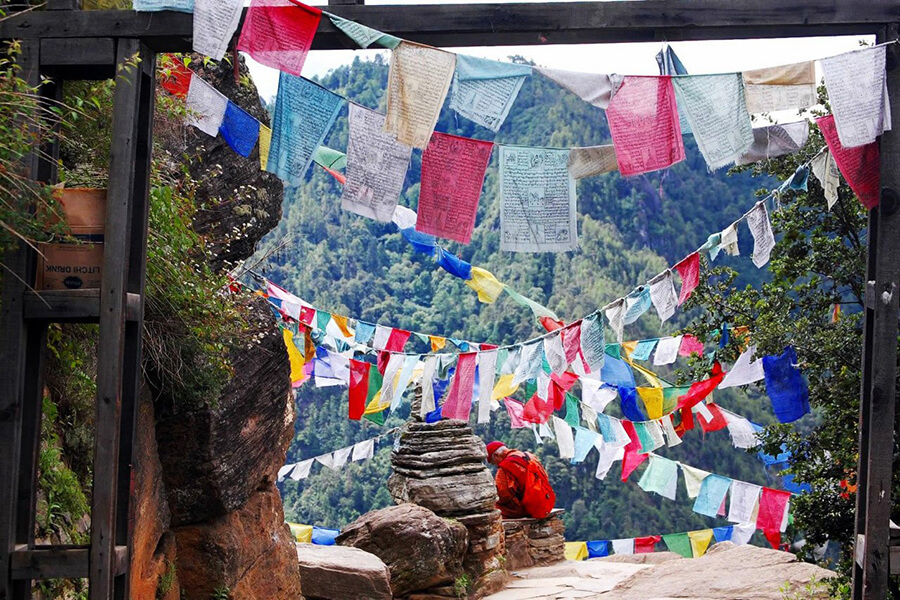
[
  {"x": 441, "y": 466},
  {"x": 534, "y": 542},
  {"x": 342, "y": 573},
  {"x": 421, "y": 549},
  {"x": 210, "y": 478}
]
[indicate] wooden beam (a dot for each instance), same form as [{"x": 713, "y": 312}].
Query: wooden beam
[
  {"x": 73, "y": 306},
  {"x": 58, "y": 562},
  {"x": 507, "y": 24},
  {"x": 113, "y": 300},
  {"x": 877, "y": 397}
]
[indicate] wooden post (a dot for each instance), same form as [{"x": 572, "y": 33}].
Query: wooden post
[
  {"x": 877, "y": 397},
  {"x": 113, "y": 312}
]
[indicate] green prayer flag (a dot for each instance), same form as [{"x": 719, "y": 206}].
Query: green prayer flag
[
  {"x": 377, "y": 418},
  {"x": 362, "y": 35},
  {"x": 679, "y": 543},
  {"x": 530, "y": 388},
  {"x": 538, "y": 309},
  {"x": 322, "y": 319},
  {"x": 329, "y": 158},
  {"x": 614, "y": 350},
  {"x": 572, "y": 416}
]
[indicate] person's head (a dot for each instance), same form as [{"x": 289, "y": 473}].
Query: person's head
[{"x": 496, "y": 452}]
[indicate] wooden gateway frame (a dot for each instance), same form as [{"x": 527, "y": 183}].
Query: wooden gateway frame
[{"x": 66, "y": 43}]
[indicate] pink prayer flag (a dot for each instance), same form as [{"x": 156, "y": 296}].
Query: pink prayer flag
[
  {"x": 459, "y": 398},
  {"x": 515, "y": 410},
  {"x": 279, "y": 33},
  {"x": 643, "y": 121},
  {"x": 633, "y": 456},
  {"x": 571, "y": 339},
  {"x": 397, "y": 340},
  {"x": 772, "y": 504},
  {"x": 860, "y": 166},
  {"x": 689, "y": 269},
  {"x": 689, "y": 345},
  {"x": 452, "y": 175},
  {"x": 722, "y": 512}
]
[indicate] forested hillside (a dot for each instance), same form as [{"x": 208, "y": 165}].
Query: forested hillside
[{"x": 629, "y": 229}]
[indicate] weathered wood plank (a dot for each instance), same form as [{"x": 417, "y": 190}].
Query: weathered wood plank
[
  {"x": 78, "y": 52},
  {"x": 137, "y": 268},
  {"x": 110, "y": 354},
  {"x": 58, "y": 562},
  {"x": 73, "y": 306},
  {"x": 12, "y": 367},
  {"x": 506, "y": 24},
  {"x": 877, "y": 398}
]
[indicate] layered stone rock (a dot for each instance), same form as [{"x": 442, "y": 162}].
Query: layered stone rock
[
  {"x": 421, "y": 549},
  {"x": 342, "y": 573},
  {"x": 441, "y": 466},
  {"x": 535, "y": 542}
]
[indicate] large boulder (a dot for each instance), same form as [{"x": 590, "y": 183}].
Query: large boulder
[
  {"x": 421, "y": 549},
  {"x": 249, "y": 552},
  {"x": 342, "y": 573},
  {"x": 724, "y": 573}
]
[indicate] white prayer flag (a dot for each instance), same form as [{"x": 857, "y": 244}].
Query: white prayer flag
[
  {"x": 741, "y": 534},
  {"x": 565, "y": 439},
  {"x": 214, "y": 24},
  {"x": 743, "y": 434},
  {"x": 857, "y": 90},
  {"x": 667, "y": 350},
  {"x": 487, "y": 365},
  {"x": 326, "y": 460},
  {"x": 744, "y": 499},
  {"x": 780, "y": 88},
  {"x": 553, "y": 350},
  {"x": 615, "y": 314},
  {"x": 593, "y": 88},
  {"x": 763, "y": 237},
  {"x": 430, "y": 365},
  {"x": 340, "y": 457},
  {"x": 302, "y": 469},
  {"x": 826, "y": 171},
  {"x": 662, "y": 292},
  {"x": 363, "y": 450},
  {"x": 608, "y": 455},
  {"x": 596, "y": 394},
  {"x": 205, "y": 106},
  {"x": 623, "y": 546},
  {"x": 285, "y": 471},
  {"x": 693, "y": 478},
  {"x": 744, "y": 371}
]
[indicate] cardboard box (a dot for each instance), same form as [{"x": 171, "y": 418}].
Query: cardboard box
[
  {"x": 84, "y": 210},
  {"x": 69, "y": 267}
]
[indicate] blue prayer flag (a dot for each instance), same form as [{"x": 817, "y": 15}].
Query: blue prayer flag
[
  {"x": 723, "y": 534},
  {"x": 304, "y": 113},
  {"x": 598, "y": 549},
  {"x": 421, "y": 242},
  {"x": 606, "y": 428},
  {"x": 239, "y": 129},
  {"x": 643, "y": 350},
  {"x": 453, "y": 264},
  {"x": 584, "y": 441},
  {"x": 324, "y": 537},
  {"x": 712, "y": 493},
  {"x": 616, "y": 372},
  {"x": 364, "y": 332},
  {"x": 628, "y": 399},
  {"x": 785, "y": 386}
]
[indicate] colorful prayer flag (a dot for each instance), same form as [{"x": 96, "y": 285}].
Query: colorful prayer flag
[
  {"x": 279, "y": 33},
  {"x": 860, "y": 166},
  {"x": 689, "y": 270},
  {"x": 453, "y": 171},
  {"x": 239, "y": 129},
  {"x": 483, "y": 90}
]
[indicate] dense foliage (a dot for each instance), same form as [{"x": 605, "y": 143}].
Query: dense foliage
[{"x": 630, "y": 229}]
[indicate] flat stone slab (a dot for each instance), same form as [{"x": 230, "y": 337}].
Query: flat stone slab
[{"x": 342, "y": 573}]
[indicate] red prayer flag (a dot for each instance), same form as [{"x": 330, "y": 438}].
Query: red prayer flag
[
  {"x": 337, "y": 176},
  {"x": 359, "y": 388},
  {"x": 644, "y": 545},
  {"x": 571, "y": 339},
  {"x": 701, "y": 389},
  {"x": 643, "y": 121},
  {"x": 537, "y": 410},
  {"x": 689, "y": 269},
  {"x": 176, "y": 77},
  {"x": 551, "y": 324},
  {"x": 687, "y": 422},
  {"x": 307, "y": 315},
  {"x": 459, "y": 398},
  {"x": 772, "y": 504},
  {"x": 690, "y": 345},
  {"x": 565, "y": 381},
  {"x": 516, "y": 413},
  {"x": 279, "y": 33},
  {"x": 718, "y": 421},
  {"x": 452, "y": 175},
  {"x": 774, "y": 537},
  {"x": 397, "y": 340},
  {"x": 860, "y": 166},
  {"x": 633, "y": 456}
]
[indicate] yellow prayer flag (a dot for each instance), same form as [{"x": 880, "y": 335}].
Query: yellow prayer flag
[
  {"x": 504, "y": 387},
  {"x": 376, "y": 405},
  {"x": 437, "y": 343},
  {"x": 301, "y": 533},
  {"x": 700, "y": 541},
  {"x": 341, "y": 322},
  {"x": 487, "y": 286},
  {"x": 653, "y": 401},
  {"x": 297, "y": 360},
  {"x": 265, "y": 141},
  {"x": 576, "y": 550},
  {"x": 649, "y": 375},
  {"x": 629, "y": 347}
]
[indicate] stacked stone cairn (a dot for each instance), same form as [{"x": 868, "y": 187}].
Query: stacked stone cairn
[{"x": 441, "y": 466}]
